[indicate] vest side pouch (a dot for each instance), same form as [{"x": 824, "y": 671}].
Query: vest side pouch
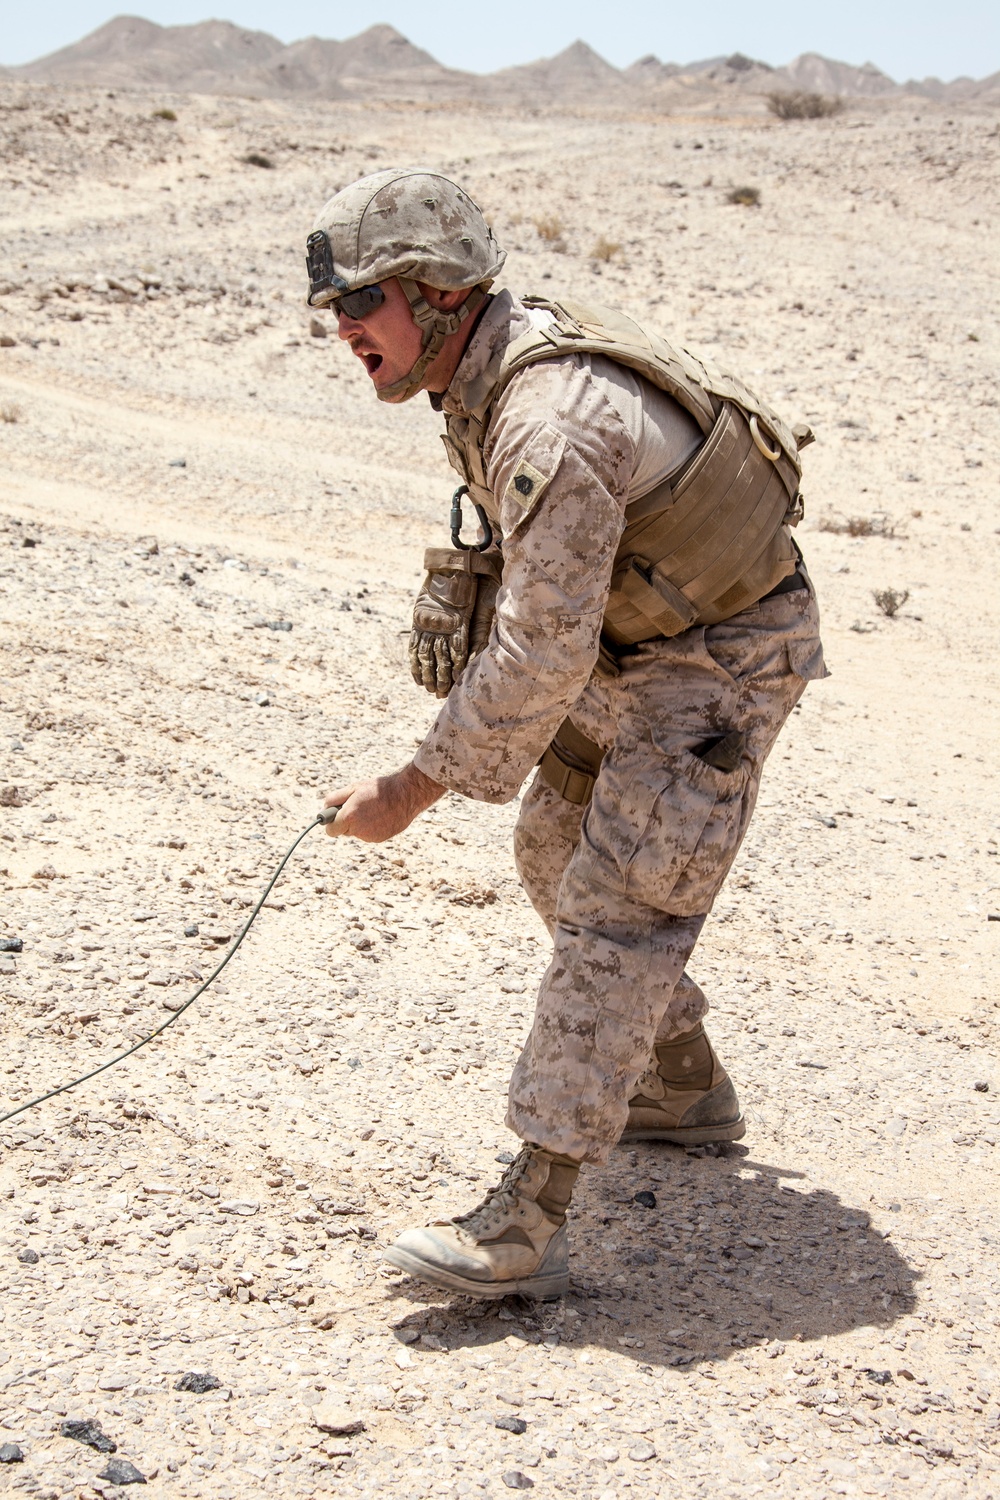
[{"x": 718, "y": 544}]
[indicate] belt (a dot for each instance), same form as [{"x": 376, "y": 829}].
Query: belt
[{"x": 787, "y": 586}]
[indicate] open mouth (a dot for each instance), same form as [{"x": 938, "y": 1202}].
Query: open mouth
[{"x": 371, "y": 362}]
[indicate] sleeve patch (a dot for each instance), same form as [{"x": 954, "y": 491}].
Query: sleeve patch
[{"x": 526, "y": 485}]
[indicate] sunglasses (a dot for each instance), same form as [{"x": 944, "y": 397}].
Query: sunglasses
[{"x": 324, "y": 281}]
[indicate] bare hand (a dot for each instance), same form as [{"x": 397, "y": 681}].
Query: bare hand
[{"x": 376, "y": 810}]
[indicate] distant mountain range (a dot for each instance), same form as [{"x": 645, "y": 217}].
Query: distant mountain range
[{"x": 217, "y": 57}]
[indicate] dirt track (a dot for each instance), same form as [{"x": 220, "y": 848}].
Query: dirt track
[{"x": 211, "y": 1204}]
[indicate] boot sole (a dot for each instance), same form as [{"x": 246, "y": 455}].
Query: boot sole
[
  {"x": 690, "y": 1135},
  {"x": 542, "y": 1288}
]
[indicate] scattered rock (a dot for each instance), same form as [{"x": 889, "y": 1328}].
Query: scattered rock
[
  {"x": 198, "y": 1382},
  {"x": 645, "y": 1199},
  {"x": 515, "y": 1480},
  {"x": 317, "y": 328},
  {"x": 878, "y": 1377},
  {"x": 11, "y": 945},
  {"x": 28, "y": 1257},
  {"x": 10, "y": 1453},
  {"x": 335, "y": 1419},
  {"x": 6, "y": 342},
  {"x": 88, "y": 1430},
  {"x": 120, "y": 1471},
  {"x": 47, "y": 872},
  {"x": 143, "y": 916},
  {"x": 114, "y": 1380},
  {"x": 191, "y": 930},
  {"x": 511, "y": 1424},
  {"x": 504, "y": 1158},
  {"x": 641, "y": 1451},
  {"x": 241, "y": 1206},
  {"x": 982, "y": 1087},
  {"x": 178, "y": 463}
]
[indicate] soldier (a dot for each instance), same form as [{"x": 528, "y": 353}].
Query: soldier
[{"x": 653, "y": 629}]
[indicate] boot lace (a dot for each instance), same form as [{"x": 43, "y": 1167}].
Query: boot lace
[{"x": 500, "y": 1200}]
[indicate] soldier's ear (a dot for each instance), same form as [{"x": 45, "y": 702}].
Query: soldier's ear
[{"x": 442, "y": 301}]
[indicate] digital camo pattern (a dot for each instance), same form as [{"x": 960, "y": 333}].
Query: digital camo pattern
[
  {"x": 624, "y": 885},
  {"x": 409, "y": 222}
]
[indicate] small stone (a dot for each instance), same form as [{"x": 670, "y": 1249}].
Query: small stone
[
  {"x": 120, "y": 1471},
  {"x": 198, "y": 1382},
  {"x": 236, "y": 565},
  {"x": 608, "y": 1455},
  {"x": 896, "y": 1127},
  {"x": 645, "y": 1199},
  {"x": 6, "y": 342},
  {"x": 338, "y": 1420},
  {"x": 515, "y": 1480},
  {"x": 28, "y": 1257},
  {"x": 10, "y": 1453},
  {"x": 114, "y": 1380},
  {"x": 263, "y": 701},
  {"x": 511, "y": 1424},
  {"x": 504, "y": 1158},
  {"x": 238, "y": 1206},
  {"x": 178, "y": 463},
  {"x": 317, "y": 328},
  {"x": 217, "y": 934},
  {"x": 982, "y": 1087},
  {"x": 191, "y": 930},
  {"x": 11, "y": 945},
  {"x": 993, "y": 916},
  {"x": 641, "y": 1451},
  {"x": 878, "y": 1377},
  {"x": 47, "y": 872},
  {"x": 87, "y": 1430},
  {"x": 143, "y": 916}
]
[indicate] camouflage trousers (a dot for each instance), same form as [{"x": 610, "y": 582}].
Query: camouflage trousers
[{"x": 625, "y": 884}]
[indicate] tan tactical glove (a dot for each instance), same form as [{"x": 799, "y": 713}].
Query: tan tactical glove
[{"x": 453, "y": 615}]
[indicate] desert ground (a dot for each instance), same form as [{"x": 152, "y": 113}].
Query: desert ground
[{"x": 212, "y": 533}]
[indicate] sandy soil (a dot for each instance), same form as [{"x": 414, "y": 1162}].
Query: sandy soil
[{"x": 211, "y": 535}]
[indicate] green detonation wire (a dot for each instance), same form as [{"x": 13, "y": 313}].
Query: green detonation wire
[{"x": 327, "y": 816}]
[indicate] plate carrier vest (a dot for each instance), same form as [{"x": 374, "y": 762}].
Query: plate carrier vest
[{"x": 710, "y": 539}]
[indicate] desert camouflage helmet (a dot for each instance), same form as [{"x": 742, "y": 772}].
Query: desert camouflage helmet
[{"x": 413, "y": 224}]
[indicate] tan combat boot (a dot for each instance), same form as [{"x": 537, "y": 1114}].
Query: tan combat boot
[
  {"x": 686, "y": 1096},
  {"x": 515, "y": 1241}
]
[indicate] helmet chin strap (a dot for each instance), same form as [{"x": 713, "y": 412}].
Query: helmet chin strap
[{"x": 436, "y": 327}]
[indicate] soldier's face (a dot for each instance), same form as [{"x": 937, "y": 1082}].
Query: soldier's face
[{"x": 387, "y": 341}]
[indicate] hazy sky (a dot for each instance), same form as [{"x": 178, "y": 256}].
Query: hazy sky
[{"x": 906, "y": 38}]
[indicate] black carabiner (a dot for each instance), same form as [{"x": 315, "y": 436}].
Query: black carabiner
[{"x": 456, "y": 523}]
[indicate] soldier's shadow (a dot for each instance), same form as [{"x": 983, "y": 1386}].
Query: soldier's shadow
[{"x": 735, "y": 1252}]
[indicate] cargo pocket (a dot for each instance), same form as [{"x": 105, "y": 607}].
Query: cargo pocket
[
  {"x": 805, "y": 657},
  {"x": 687, "y": 834}
]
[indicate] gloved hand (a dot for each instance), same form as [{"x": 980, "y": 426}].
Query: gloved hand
[{"x": 453, "y": 614}]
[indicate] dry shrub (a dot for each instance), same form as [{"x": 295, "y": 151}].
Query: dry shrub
[
  {"x": 164, "y": 114},
  {"x": 798, "y": 104},
  {"x": 10, "y": 412},
  {"x": 257, "y": 159},
  {"x": 749, "y": 197},
  {"x": 604, "y": 249},
  {"x": 890, "y": 601},
  {"x": 550, "y": 228},
  {"x": 880, "y": 524}
]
